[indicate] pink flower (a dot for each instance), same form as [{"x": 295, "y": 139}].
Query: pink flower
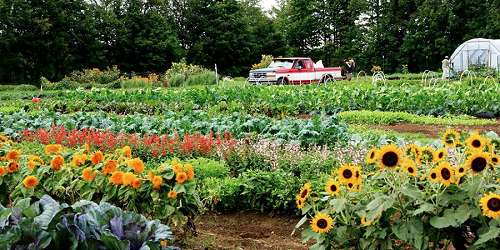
[{"x": 36, "y": 100}]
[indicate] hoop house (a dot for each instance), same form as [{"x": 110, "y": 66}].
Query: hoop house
[{"x": 477, "y": 51}]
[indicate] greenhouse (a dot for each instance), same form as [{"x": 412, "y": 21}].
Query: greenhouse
[{"x": 478, "y": 52}]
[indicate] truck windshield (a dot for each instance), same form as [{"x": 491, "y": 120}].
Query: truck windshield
[{"x": 281, "y": 64}]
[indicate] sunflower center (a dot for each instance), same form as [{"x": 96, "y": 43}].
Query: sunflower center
[
  {"x": 441, "y": 154},
  {"x": 461, "y": 170},
  {"x": 446, "y": 174},
  {"x": 347, "y": 173},
  {"x": 304, "y": 193},
  {"x": 433, "y": 176},
  {"x": 390, "y": 159},
  {"x": 357, "y": 174},
  {"x": 372, "y": 155},
  {"x": 476, "y": 143},
  {"x": 410, "y": 170},
  {"x": 494, "y": 204},
  {"x": 333, "y": 188},
  {"x": 494, "y": 159},
  {"x": 322, "y": 223},
  {"x": 478, "y": 164},
  {"x": 350, "y": 185}
]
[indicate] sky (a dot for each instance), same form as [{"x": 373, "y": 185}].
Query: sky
[{"x": 267, "y": 4}]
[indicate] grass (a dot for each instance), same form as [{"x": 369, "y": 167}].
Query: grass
[
  {"x": 365, "y": 131},
  {"x": 388, "y": 118}
]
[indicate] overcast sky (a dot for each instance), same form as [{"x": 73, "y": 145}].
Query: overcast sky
[{"x": 267, "y": 4}]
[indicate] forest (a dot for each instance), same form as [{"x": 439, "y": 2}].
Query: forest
[{"x": 52, "y": 38}]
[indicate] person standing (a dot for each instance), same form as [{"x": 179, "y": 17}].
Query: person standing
[
  {"x": 349, "y": 69},
  {"x": 445, "y": 65}
]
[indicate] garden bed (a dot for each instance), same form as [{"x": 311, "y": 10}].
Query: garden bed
[{"x": 434, "y": 130}]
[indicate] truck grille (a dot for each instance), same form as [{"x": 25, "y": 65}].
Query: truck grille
[{"x": 258, "y": 75}]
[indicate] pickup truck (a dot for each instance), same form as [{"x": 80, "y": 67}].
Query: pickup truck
[{"x": 294, "y": 70}]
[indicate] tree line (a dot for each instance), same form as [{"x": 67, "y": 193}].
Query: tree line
[{"x": 51, "y": 38}]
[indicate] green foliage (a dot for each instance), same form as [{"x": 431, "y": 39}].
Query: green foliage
[
  {"x": 181, "y": 74},
  {"x": 207, "y": 168},
  {"x": 379, "y": 117},
  {"x": 264, "y": 62},
  {"x": 46, "y": 223},
  {"x": 19, "y": 88}
]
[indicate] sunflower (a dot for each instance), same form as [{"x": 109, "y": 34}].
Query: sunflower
[
  {"x": 426, "y": 155},
  {"x": 477, "y": 162},
  {"x": 109, "y": 167},
  {"x": 490, "y": 204},
  {"x": 172, "y": 194},
  {"x": 371, "y": 157},
  {"x": 30, "y": 181},
  {"x": 451, "y": 138},
  {"x": 389, "y": 156},
  {"x": 136, "y": 183},
  {"x": 347, "y": 173},
  {"x": 128, "y": 178},
  {"x": 12, "y": 167},
  {"x": 299, "y": 202},
  {"x": 305, "y": 191},
  {"x": 460, "y": 171},
  {"x": 332, "y": 187},
  {"x": 409, "y": 167},
  {"x": 116, "y": 178},
  {"x": 181, "y": 177},
  {"x": 321, "y": 223},
  {"x": 88, "y": 174},
  {"x": 137, "y": 164},
  {"x": 53, "y": 149},
  {"x": 494, "y": 160},
  {"x": 157, "y": 181},
  {"x": 3, "y": 171},
  {"x": 13, "y": 155},
  {"x": 446, "y": 173},
  {"x": 475, "y": 142},
  {"x": 57, "y": 162},
  {"x": 127, "y": 152},
  {"x": 412, "y": 150},
  {"x": 433, "y": 175},
  {"x": 354, "y": 186},
  {"x": 97, "y": 157},
  {"x": 440, "y": 155}
]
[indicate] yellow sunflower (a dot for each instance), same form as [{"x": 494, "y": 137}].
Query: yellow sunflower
[
  {"x": 477, "y": 162},
  {"x": 305, "y": 191},
  {"x": 446, "y": 173},
  {"x": 346, "y": 173},
  {"x": 389, "y": 156},
  {"x": 409, "y": 166},
  {"x": 332, "y": 187},
  {"x": 371, "y": 157},
  {"x": 490, "y": 204},
  {"x": 460, "y": 171},
  {"x": 426, "y": 155},
  {"x": 494, "y": 160},
  {"x": 440, "y": 155},
  {"x": 299, "y": 202},
  {"x": 412, "y": 150},
  {"x": 321, "y": 223},
  {"x": 433, "y": 175},
  {"x": 475, "y": 142},
  {"x": 450, "y": 138}
]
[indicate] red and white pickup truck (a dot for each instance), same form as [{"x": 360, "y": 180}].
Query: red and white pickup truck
[{"x": 294, "y": 70}]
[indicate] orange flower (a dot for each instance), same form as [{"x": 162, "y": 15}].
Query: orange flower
[
  {"x": 88, "y": 174},
  {"x": 157, "y": 181},
  {"x": 151, "y": 175},
  {"x": 189, "y": 171},
  {"x": 12, "y": 167},
  {"x": 13, "y": 155},
  {"x": 36, "y": 159},
  {"x": 97, "y": 157},
  {"x": 87, "y": 148},
  {"x": 57, "y": 162},
  {"x": 136, "y": 183},
  {"x": 181, "y": 177},
  {"x": 78, "y": 159},
  {"x": 53, "y": 149},
  {"x": 32, "y": 165},
  {"x": 30, "y": 181},
  {"x": 128, "y": 178},
  {"x": 172, "y": 194},
  {"x": 127, "y": 151},
  {"x": 116, "y": 178},
  {"x": 136, "y": 164},
  {"x": 3, "y": 171},
  {"x": 110, "y": 167},
  {"x": 177, "y": 167}
]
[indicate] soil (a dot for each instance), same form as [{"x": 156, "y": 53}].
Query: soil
[
  {"x": 434, "y": 130},
  {"x": 245, "y": 230}
]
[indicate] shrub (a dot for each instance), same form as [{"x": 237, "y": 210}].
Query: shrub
[
  {"x": 95, "y": 76},
  {"x": 205, "y": 78},
  {"x": 207, "y": 168},
  {"x": 182, "y": 73},
  {"x": 264, "y": 62}
]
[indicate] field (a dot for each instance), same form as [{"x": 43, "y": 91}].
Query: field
[{"x": 400, "y": 164}]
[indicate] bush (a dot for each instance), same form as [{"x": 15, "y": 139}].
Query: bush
[
  {"x": 205, "y": 78},
  {"x": 264, "y": 62},
  {"x": 207, "y": 168},
  {"x": 187, "y": 74},
  {"x": 95, "y": 76},
  {"x": 21, "y": 87},
  {"x": 48, "y": 224}
]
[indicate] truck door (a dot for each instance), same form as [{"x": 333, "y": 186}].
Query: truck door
[{"x": 302, "y": 72}]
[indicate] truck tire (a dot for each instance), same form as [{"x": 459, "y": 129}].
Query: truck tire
[
  {"x": 327, "y": 79},
  {"x": 282, "y": 81}
]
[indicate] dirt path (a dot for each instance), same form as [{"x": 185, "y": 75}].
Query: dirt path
[
  {"x": 247, "y": 230},
  {"x": 433, "y": 130}
]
